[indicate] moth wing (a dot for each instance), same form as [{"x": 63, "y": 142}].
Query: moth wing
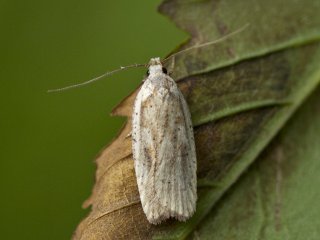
[{"x": 164, "y": 152}]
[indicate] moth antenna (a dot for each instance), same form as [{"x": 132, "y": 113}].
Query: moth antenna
[
  {"x": 209, "y": 43},
  {"x": 96, "y": 78}
]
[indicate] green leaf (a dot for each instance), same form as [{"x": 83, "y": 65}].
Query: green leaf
[
  {"x": 278, "y": 198},
  {"x": 273, "y": 26}
]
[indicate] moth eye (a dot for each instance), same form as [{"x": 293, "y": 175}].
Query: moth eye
[
  {"x": 148, "y": 73},
  {"x": 164, "y": 70}
]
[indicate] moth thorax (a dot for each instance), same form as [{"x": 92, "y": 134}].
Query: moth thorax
[{"x": 155, "y": 69}]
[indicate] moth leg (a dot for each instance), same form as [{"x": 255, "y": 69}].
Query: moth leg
[{"x": 129, "y": 135}]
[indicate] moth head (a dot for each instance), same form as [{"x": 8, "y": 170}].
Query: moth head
[{"x": 155, "y": 67}]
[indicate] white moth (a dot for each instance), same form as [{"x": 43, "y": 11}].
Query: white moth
[
  {"x": 163, "y": 142},
  {"x": 163, "y": 148}
]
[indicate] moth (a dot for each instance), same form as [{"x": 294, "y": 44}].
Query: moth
[
  {"x": 163, "y": 142},
  {"x": 163, "y": 148}
]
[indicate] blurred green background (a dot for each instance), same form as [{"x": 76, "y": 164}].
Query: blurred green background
[{"x": 49, "y": 141}]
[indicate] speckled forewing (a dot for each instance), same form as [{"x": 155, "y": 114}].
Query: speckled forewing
[{"x": 164, "y": 151}]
